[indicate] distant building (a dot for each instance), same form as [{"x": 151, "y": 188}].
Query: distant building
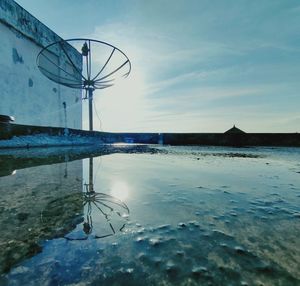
[
  {"x": 234, "y": 130},
  {"x": 25, "y": 93}
]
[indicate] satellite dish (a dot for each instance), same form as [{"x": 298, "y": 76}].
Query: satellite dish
[{"x": 97, "y": 66}]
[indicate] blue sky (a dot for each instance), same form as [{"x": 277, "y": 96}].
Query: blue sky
[{"x": 198, "y": 66}]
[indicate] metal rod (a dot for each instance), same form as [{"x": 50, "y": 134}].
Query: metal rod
[
  {"x": 90, "y": 61},
  {"x": 91, "y": 108},
  {"x": 73, "y": 65},
  {"x": 77, "y": 83},
  {"x": 91, "y": 173},
  {"x": 107, "y": 61},
  {"x": 114, "y": 71},
  {"x": 58, "y": 67}
]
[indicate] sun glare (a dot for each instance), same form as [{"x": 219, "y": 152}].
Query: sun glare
[
  {"x": 122, "y": 107},
  {"x": 120, "y": 190}
]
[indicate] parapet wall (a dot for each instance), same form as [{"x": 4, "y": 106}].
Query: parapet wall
[
  {"x": 7, "y": 131},
  {"x": 229, "y": 139},
  {"x": 25, "y": 92}
]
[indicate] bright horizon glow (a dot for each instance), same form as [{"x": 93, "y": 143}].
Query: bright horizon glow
[
  {"x": 118, "y": 111},
  {"x": 199, "y": 67}
]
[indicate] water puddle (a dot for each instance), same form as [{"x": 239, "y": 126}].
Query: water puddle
[{"x": 150, "y": 216}]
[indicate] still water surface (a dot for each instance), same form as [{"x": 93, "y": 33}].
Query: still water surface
[{"x": 180, "y": 216}]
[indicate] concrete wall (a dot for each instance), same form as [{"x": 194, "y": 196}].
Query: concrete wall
[
  {"x": 25, "y": 92},
  {"x": 8, "y": 131},
  {"x": 232, "y": 139}
]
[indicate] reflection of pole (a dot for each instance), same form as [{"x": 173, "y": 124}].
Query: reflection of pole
[
  {"x": 91, "y": 108},
  {"x": 91, "y": 169}
]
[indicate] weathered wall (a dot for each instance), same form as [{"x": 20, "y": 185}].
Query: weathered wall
[{"x": 25, "y": 92}]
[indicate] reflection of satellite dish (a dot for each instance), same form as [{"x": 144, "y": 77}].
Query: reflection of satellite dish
[
  {"x": 98, "y": 66},
  {"x": 113, "y": 211}
]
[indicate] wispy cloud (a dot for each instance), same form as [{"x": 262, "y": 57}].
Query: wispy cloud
[{"x": 216, "y": 68}]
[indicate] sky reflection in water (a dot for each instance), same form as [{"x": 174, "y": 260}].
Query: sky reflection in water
[{"x": 209, "y": 216}]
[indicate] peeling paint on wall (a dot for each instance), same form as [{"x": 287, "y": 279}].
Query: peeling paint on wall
[
  {"x": 30, "y": 82},
  {"x": 16, "y": 57}
]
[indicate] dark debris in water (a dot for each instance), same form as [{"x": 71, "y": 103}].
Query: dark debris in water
[{"x": 233, "y": 155}]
